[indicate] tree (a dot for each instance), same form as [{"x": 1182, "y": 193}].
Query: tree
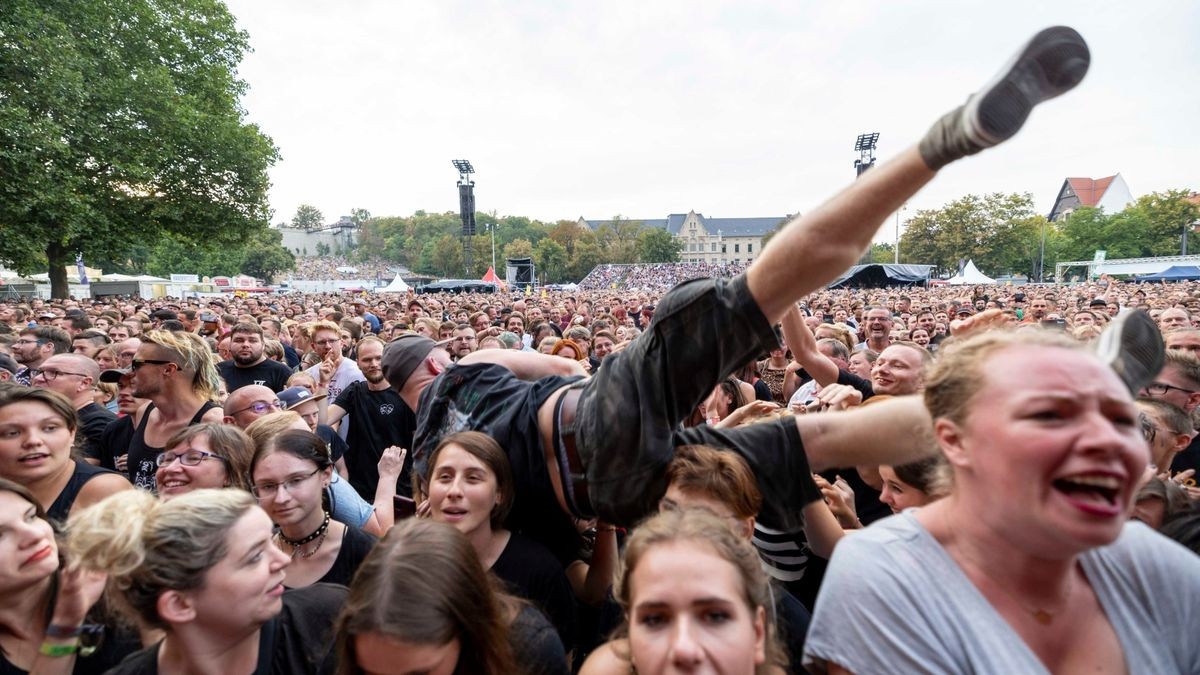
[
  {"x": 308, "y": 217},
  {"x": 618, "y": 239},
  {"x": 518, "y": 248},
  {"x": 881, "y": 253},
  {"x": 996, "y": 231},
  {"x": 446, "y": 256},
  {"x": 120, "y": 121},
  {"x": 551, "y": 259},
  {"x": 655, "y": 245},
  {"x": 265, "y": 256},
  {"x": 359, "y": 216},
  {"x": 323, "y": 250},
  {"x": 587, "y": 256}
]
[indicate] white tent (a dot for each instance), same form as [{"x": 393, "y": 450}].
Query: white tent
[
  {"x": 397, "y": 286},
  {"x": 970, "y": 274}
]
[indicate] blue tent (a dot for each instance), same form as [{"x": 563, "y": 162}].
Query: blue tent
[{"x": 1173, "y": 273}]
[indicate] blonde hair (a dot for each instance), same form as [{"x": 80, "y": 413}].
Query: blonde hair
[
  {"x": 194, "y": 356},
  {"x": 263, "y": 429},
  {"x": 960, "y": 371},
  {"x": 705, "y": 529},
  {"x": 148, "y": 547}
]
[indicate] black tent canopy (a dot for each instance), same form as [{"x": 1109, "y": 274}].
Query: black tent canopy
[{"x": 882, "y": 276}]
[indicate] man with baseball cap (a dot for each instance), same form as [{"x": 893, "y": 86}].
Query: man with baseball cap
[{"x": 601, "y": 446}]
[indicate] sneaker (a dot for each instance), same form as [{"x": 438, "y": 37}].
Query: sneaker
[
  {"x": 1132, "y": 346},
  {"x": 1050, "y": 64},
  {"x": 1053, "y": 62}
]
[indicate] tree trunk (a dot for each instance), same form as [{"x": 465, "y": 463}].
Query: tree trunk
[{"x": 56, "y": 255}]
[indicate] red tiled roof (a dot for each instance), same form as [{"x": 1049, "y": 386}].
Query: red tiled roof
[{"x": 1090, "y": 190}]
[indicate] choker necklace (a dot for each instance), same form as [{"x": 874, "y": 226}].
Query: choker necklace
[{"x": 297, "y": 544}]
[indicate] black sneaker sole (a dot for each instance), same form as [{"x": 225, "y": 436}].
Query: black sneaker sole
[
  {"x": 1132, "y": 346},
  {"x": 1050, "y": 64}
]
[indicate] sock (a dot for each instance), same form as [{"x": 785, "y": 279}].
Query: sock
[{"x": 945, "y": 141}]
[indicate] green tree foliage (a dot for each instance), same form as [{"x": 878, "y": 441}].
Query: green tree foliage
[
  {"x": 446, "y": 256},
  {"x": 656, "y": 245},
  {"x": 518, "y": 248},
  {"x": 262, "y": 257},
  {"x": 308, "y": 217},
  {"x": 551, "y": 260},
  {"x": 999, "y": 232},
  {"x": 120, "y": 123},
  {"x": 618, "y": 239},
  {"x": 880, "y": 253},
  {"x": 359, "y": 216},
  {"x": 323, "y": 249}
]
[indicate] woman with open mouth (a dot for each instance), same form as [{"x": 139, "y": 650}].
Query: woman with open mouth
[
  {"x": 1030, "y": 565},
  {"x": 37, "y": 431},
  {"x": 470, "y": 486},
  {"x": 203, "y": 569}
]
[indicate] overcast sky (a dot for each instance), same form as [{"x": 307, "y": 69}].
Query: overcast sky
[{"x": 731, "y": 109}]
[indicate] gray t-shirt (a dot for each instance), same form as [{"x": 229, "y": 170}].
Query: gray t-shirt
[{"x": 893, "y": 601}]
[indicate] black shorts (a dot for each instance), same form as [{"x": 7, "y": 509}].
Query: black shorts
[{"x": 629, "y": 414}]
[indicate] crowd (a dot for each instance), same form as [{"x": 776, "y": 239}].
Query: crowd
[
  {"x": 737, "y": 475},
  {"x": 655, "y": 276},
  {"x": 331, "y": 268}
]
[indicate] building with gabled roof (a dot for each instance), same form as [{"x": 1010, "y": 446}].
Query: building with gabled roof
[
  {"x": 711, "y": 240},
  {"x": 1110, "y": 194}
]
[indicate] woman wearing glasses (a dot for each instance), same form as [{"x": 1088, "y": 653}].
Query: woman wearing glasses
[
  {"x": 37, "y": 431},
  {"x": 291, "y": 473},
  {"x": 206, "y": 455}
]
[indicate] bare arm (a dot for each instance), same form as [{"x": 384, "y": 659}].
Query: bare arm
[
  {"x": 821, "y": 528},
  {"x": 391, "y": 464},
  {"x": 800, "y": 340},
  {"x": 851, "y": 438},
  {"x": 335, "y": 414},
  {"x": 525, "y": 365}
]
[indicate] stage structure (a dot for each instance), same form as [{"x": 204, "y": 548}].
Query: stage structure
[{"x": 466, "y": 209}]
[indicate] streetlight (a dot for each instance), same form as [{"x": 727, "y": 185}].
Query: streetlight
[{"x": 491, "y": 227}]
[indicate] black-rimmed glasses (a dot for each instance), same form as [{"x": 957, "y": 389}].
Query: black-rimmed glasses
[
  {"x": 50, "y": 374},
  {"x": 268, "y": 490},
  {"x": 188, "y": 457}
]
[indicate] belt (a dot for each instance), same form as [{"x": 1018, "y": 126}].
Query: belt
[{"x": 570, "y": 465}]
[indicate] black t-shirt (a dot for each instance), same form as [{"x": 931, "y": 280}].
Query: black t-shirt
[
  {"x": 863, "y": 386},
  {"x": 791, "y": 622},
  {"x": 84, "y": 472},
  {"x": 141, "y": 465},
  {"x": 378, "y": 420},
  {"x": 1188, "y": 458},
  {"x": 115, "y": 441},
  {"x": 93, "y": 420},
  {"x": 488, "y": 398},
  {"x": 531, "y": 572},
  {"x": 337, "y": 447},
  {"x": 298, "y": 640},
  {"x": 356, "y": 544},
  {"x": 271, "y": 374},
  {"x": 535, "y": 644}
]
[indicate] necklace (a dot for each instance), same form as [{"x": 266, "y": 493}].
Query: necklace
[
  {"x": 1043, "y": 616},
  {"x": 318, "y": 536}
]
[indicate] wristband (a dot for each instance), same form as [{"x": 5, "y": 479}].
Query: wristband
[
  {"x": 48, "y": 649},
  {"x": 63, "y": 632}
]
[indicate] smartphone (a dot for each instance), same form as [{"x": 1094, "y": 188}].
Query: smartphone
[
  {"x": 1060, "y": 324},
  {"x": 404, "y": 507}
]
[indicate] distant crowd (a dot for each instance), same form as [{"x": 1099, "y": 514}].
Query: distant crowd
[
  {"x": 326, "y": 268},
  {"x": 656, "y": 277}
]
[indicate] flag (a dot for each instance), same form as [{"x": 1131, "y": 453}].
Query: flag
[{"x": 79, "y": 266}]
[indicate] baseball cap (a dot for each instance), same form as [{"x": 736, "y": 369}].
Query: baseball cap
[
  {"x": 402, "y": 356},
  {"x": 294, "y": 396},
  {"x": 1098, "y": 302},
  {"x": 114, "y": 375}
]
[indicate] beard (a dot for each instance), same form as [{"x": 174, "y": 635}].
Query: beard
[
  {"x": 374, "y": 377},
  {"x": 246, "y": 361}
]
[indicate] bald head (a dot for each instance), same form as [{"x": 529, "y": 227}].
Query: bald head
[
  {"x": 249, "y": 403},
  {"x": 72, "y": 375}
]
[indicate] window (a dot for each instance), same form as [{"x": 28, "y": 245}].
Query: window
[
  {"x": 749, "y": 248},
  {"x": 714, "y": 247},
  {"x": 737, "y": 248}
]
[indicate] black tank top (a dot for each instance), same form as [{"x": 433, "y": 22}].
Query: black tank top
[
  {"x": 61, "y": 508},
  {"x": 140, "y": 463}
]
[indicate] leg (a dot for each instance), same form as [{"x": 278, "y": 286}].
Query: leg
[{"x": 832, "y": 237}]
